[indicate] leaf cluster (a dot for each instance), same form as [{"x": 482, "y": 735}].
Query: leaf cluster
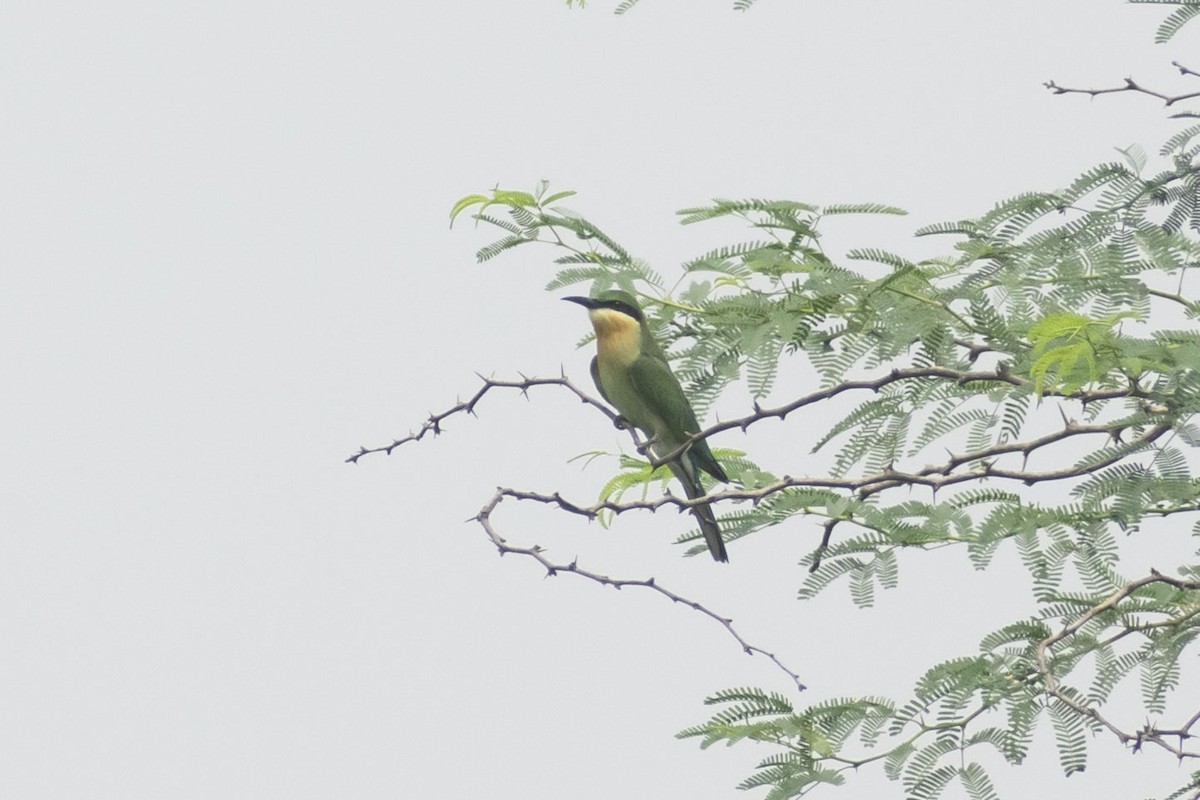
[
  {"x": 1053, "y": 342},
  {"x": 1041, "y": 311}
]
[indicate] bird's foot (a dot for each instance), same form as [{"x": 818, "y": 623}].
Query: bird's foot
[{"x": 644, "y": 447}]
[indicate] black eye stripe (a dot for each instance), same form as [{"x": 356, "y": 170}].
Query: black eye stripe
[{"x": 624, "y": 308}]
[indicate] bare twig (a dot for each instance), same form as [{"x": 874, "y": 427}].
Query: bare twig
[
  {"x": 974, "y": 349},
  {"x": 484, "y": 518},
  {"x": 1130, "y": 85},
  {"x": 433, "y": 423}
]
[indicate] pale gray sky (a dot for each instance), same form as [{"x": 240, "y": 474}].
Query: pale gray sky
[{"x": 227, "y": 264}]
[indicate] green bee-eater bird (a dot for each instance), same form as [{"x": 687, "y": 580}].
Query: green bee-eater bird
[{"x": 632, "y": 373}]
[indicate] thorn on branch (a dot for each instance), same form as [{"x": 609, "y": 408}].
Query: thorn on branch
[
  {"x": 1062, "y": 412},
  {"x": 829, "y": 525}
]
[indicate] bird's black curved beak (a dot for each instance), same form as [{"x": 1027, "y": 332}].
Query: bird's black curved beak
[{"x": 586, "y": 302}]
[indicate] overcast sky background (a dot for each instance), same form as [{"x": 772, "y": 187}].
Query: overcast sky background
[{"x": 227, "y": 265}]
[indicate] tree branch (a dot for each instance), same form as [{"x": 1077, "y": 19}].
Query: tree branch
[
  {"x": 433, "y": 423},
  {"x": 1130, "y": 85},
  {"x": 935, "y": 476},
  {"x": 1148, "y": 733},
  {"x": 998, "y": 375},
  {"x": 484, "y": 518}
]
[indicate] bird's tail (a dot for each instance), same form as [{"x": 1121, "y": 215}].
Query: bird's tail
[{"x": 703, "y": 513}]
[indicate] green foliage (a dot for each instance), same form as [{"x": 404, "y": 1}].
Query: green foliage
[
  {"x": 1077, "y": 350},
  {"x": 1041, "y": 314},
  {"x": 635, "y": 473},
  {"x": 1186, "y": 11},
  {"x": 1056, "y": 330},
  {"x": 638, "y": 474}
]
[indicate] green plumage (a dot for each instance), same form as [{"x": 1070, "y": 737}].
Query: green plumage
[{"x": 632, "y": 373}]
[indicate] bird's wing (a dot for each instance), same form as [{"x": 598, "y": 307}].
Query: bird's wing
[
  {"x": 667, "y": 400},
  {"x": 596, "y": 380},
  {"x": 670, "y": 403}
]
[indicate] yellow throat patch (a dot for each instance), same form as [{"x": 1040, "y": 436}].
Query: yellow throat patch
[{"x": 618, "y": 336}]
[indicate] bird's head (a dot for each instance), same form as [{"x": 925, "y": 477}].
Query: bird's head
[{"x": 611, "y": 311}]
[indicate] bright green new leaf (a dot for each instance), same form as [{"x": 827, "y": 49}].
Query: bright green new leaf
[{"x": 465, "y": 203}]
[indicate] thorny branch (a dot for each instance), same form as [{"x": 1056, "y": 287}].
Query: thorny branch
[
  {"x": 998, "y": 375},
  {"x": 934, "y": 476},
  {"x": 433, "y": 423},
  {"x": 1148, "y": 733},
  {"x": 1130, "y": 85},
  {"x": 484, "y": 518}
]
